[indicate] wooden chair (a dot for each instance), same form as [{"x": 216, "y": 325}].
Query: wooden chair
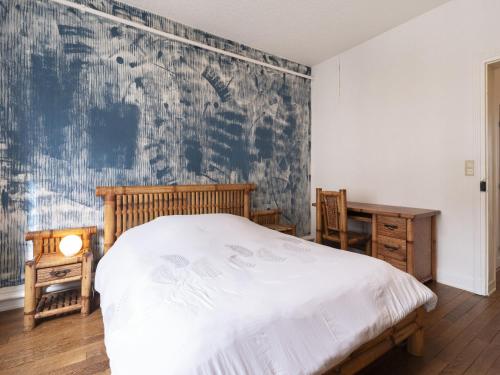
[{"x": 331, "y": 221}]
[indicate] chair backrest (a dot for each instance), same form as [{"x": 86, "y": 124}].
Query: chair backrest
[{"x": 332, "y": 207}]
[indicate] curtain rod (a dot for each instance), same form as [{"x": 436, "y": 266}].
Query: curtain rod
[{"x": 174, "y": 37}]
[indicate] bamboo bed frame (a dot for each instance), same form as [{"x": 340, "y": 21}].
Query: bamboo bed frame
[{"x": 128, "y": 206}]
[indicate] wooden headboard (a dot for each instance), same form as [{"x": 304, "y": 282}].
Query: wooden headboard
[{"x": 128, "y": 206}]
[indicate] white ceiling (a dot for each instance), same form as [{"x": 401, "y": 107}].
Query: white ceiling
[{"x": 305, "y": 31}]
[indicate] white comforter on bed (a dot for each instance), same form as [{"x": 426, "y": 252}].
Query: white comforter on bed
[{"x": 218, "y": 294}]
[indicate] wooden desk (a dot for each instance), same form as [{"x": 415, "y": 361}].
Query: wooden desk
[{"x": 403, "y": 236}]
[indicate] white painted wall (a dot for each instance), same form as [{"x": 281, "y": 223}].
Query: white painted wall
[{"x": 394, "y": 119}]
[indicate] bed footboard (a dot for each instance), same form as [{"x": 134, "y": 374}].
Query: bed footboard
[{"x": 410, "y": 328}]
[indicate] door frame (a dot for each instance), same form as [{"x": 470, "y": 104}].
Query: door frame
[{"x": 484, "y": 281}]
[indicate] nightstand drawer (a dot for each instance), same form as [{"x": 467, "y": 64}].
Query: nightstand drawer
[
  {"x": 391, "y": 227},
  {"x": 391, "y": 248},
  {"x": 283, "y": 228},
  {"x": 57, "y": 273}
]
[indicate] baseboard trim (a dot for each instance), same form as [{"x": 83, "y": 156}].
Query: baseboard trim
[
  {"x": 11, "y": 297},
  {"x": 492, "y": 287},
  {"x": 458, "y": 281}
]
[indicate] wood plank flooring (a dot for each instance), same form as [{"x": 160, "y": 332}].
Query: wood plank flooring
[{"x": 462, "y": 337}]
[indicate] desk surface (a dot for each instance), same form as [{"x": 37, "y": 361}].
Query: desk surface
[{"x": 382, "y": 209}]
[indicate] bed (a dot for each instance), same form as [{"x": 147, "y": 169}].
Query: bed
[{"x": 189, "y": 285}]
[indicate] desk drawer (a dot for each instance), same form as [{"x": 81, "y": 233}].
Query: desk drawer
[
  {"x": 58, "y": 273},
  {"x": 391, "y": 248},
  {"x": 391, "y": 227},
  {"x": 394, "y": 262}
]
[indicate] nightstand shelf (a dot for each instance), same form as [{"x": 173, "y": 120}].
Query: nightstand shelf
[{"x": 59, "y": 302}]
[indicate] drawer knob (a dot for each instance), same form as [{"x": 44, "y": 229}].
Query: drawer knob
[
  {"x": 391, "y": 248},
  {"x": 59, "y": 273},
  {"x": 391, "y": 226}
]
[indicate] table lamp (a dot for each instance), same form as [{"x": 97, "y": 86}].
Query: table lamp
[{"x": 70, "y": 245}]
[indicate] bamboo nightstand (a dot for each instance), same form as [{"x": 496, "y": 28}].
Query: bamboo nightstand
[
  {"x": 271, "y": 219},
  {"x": 49, "y": 267}
]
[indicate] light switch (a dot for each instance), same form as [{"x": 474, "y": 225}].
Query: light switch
[{"x": 469, "y": 167}]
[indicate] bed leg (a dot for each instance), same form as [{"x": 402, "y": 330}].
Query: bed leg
[
  {"x": 416, "y": 340},
  {"x": 416, "y": 343}
]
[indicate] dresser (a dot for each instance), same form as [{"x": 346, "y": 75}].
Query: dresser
[{"x": 405, "y": 237}]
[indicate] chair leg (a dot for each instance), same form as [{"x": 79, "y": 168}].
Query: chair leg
[
  {"x": 344, "y": 241},
  {"x": 369, "y": 247}
]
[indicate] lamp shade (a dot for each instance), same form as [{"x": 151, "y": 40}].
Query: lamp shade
[{"x": 70, "y": 245}]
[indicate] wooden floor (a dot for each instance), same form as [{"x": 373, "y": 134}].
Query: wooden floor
[{"x": 462, "y": 337}]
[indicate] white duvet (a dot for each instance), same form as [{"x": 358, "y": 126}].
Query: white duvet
[{"x": 218, "y": 294}]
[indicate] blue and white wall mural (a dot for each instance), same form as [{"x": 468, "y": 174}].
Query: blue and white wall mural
[{"x": 86, "y": 101}]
